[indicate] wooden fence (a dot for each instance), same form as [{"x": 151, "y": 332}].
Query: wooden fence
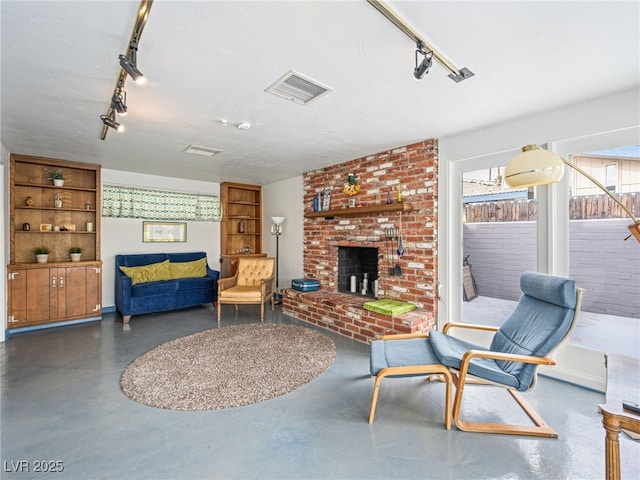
[{"x": 580, "y": 208}]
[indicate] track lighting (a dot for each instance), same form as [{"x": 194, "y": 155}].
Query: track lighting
[
  {"x": 130, "y": 64},
  {"x": 110, "y": 121},
  {"x": 119, "y": 100},
  {"x": 430, "y": 53},
  {"x": 422, "y": 69}
]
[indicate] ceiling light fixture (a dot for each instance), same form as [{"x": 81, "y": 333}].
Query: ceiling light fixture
[
  {"x": 119, "y": 101},
  {"x": 127, "y": 67},
  {"x": 457, "y": 74},
  {"x": 244, "y": 125},
  {"x": 130, "y": 64},
  {"x": 110, "y": 121},
  {"x": 422, "y": 69}
]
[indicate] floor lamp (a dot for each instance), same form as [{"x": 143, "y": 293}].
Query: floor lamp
[
  {"x": 537, "y": 166},
  {"x": 276, "y": 229}
]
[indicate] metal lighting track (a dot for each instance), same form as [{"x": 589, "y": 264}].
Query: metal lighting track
[
  {"x": 141, "y": 20},
  {"x": 457, "y": 75}
]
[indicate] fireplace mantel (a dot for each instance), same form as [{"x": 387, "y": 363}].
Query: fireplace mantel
[{"x": 357, "y": 211}]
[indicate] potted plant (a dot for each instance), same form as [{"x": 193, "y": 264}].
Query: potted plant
[
  {"x": 56, "y": 176},
  {"x": 42, "y": 254},
  {"x": 75, "y": 253}
]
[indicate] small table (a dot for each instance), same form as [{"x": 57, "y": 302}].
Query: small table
[{"x": 623, "y": 383}]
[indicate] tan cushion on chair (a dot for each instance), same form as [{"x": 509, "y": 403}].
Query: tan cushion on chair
[
  {"x": 241, "y": 293},
  {"x": 252, "y": 270}
]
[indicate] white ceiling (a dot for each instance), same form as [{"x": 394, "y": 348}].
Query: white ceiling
[{"x": 212, "y": 60}]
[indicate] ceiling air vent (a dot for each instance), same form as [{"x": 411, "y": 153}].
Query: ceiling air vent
[
  {"x": 204, "y": 151},
  {"x": 298, "y": 88}
]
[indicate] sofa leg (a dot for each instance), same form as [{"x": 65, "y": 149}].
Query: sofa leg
[{"x": 126, "y": 318}]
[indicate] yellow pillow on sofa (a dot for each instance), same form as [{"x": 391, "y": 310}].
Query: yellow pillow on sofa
[
  {"x": 197, "y": 268},
  {"x": 154, "y": 272}
]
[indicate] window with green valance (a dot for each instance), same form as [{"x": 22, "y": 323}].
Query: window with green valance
[{"x": 132, "y": 202}]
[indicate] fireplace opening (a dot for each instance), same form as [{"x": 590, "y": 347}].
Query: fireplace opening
[{"x": 358, "y": 270}]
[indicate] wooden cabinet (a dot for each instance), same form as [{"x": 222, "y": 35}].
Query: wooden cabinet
[
  {"x": 46, "y": 293},
  {"x": 241, "y": 226},
  {"x": 57, "y": 217}
]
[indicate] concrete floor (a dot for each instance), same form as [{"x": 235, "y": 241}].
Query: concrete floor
[{"x": 61, "y": 402}]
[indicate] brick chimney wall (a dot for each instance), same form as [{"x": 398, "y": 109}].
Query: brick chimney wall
[{"x": 415, "y": 167}]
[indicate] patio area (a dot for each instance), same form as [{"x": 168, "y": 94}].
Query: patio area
[{"x": 595, "y": 331}]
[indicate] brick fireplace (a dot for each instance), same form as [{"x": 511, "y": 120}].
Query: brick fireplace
[{"x": 413, "y": 169}]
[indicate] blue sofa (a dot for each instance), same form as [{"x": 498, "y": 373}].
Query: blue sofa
[{"x": 159, "y": 296}]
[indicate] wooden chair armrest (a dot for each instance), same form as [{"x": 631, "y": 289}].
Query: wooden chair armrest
[
  {"x": 512, "y": 357},
  {"x": 228, "y": 282},
  {"x": 402, "y": 336},
  {"x": 472, "y": 326}
]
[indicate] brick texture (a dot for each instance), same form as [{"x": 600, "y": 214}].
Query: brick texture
[{"x": 415, "y": 169}]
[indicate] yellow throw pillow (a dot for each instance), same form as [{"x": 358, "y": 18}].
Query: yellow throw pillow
[
  {"x": 197, "y": 268},
  {"x": 153, "y": 272}
]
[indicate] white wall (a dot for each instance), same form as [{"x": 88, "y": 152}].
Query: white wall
[
  {"x": 124, "y": 235},
  {"x": 4, "y": 235},
  {"x": 284, "y": 199}
]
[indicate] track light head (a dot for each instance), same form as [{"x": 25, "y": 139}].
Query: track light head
[
  {"x": 119, "y": 101},
  {"x": 130, "y": 64},
  {"x": 110, "y": 121},
  {"x": 423, "y": 68}
]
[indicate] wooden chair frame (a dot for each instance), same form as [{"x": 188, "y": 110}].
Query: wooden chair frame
[
  {"x": 414, "y": 370},
  {"x": 266, "y": 294},
  {"x": 461, "y": 378}
]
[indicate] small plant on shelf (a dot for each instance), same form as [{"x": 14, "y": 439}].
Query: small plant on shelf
[
  {"x": 75, "y": 253},
  {"x": 54, "y": 175},
  {"x": 42, "y": 254}
]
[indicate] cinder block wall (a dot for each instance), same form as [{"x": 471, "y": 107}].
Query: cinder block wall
[{"x": 600, "y": 261}]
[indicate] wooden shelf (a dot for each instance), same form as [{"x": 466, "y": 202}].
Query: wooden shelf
[{"x": 358, "y": 211}]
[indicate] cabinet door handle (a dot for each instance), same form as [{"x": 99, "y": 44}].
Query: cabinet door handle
[
  {"x": 61, "y": 282},
  {"x": 53, "y": 282}
]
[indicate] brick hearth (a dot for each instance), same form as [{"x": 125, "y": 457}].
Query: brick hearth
[{"x": 415, "y": 167}]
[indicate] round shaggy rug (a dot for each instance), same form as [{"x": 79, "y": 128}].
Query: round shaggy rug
[{"x": 228, "y": 367}]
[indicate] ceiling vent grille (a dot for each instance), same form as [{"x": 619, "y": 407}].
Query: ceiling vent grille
[
  {"x": 298, "y": 88},
  {"x": 204, "y": 151}
]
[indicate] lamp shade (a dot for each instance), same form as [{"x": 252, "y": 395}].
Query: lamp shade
[
  {"x": 534, "y": 166},
  {"x": 277, "y": 220}
]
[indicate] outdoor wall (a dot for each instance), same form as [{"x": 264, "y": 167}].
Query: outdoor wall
[{"x": 600, "y": 261}]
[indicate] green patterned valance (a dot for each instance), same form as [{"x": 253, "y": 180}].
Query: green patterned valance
[{"x": 131, "y": 202}]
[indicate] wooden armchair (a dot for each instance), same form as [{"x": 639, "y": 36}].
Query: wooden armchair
[
  {"x": 253, "y": 283},
  {"x": 543, "y": 319}
]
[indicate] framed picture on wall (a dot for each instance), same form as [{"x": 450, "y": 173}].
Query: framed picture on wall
[{"x": 164, "y": 231}]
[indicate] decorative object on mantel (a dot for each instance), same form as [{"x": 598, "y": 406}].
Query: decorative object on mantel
[
  {"x": 351, "y": 187},
  {"x": 399, "y": 187},
  {"x": 57, "y": 177},
  {"x": 326, "y": 201}
]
